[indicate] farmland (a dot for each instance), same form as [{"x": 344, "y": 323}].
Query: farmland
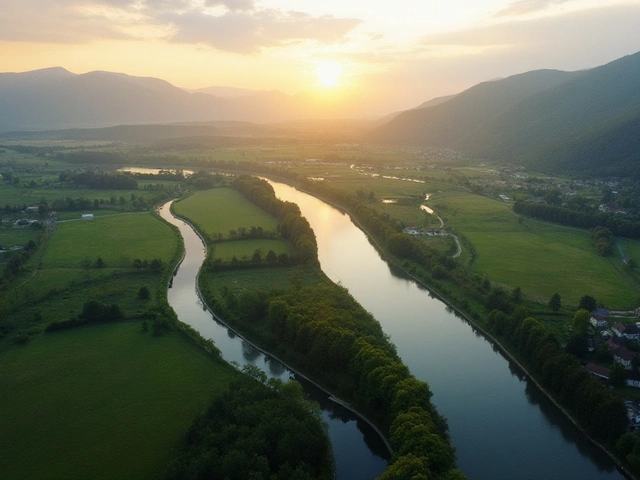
[
  {"x": 118, "y": 240},
  {"x": 218, "y": 211},
  {"x": 117, "y": 400}
]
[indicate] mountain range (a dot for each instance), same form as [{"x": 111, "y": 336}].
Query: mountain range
[
  {"x": 55, "y": 98},
  {"x": 567, "y": 121}
]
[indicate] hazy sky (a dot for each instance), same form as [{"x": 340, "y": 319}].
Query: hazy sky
[{"x": 392, "y": 54}]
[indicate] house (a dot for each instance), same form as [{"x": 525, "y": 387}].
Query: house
[
  {"x": 633, "y": 380},
  {"x": 599, "y": 318},
  {"x": 624, "y": 357},
  {"x": 615, "y": 343},
  {"x": 599, "y": 321},
  {"x": 32, "y": 209},
  {"x": 598, "y": 371},
  {"x": 631, "y": 332},
  {"x": 633, "y": 411},
  {"x": 617, "y": 329}
]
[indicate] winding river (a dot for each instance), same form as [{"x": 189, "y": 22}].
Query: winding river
[
  {"x": 502, "y": 426},
  {"x": 359, "y": 452}
]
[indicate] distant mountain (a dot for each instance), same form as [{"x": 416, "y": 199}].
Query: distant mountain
[
  {"x": 549, "y": 119},
  {"x": 435, "y": 101},
  {"x": 226, "y": 92},
  {"x": 55, "y": 98},
  {"x": 444, "y": 124}
]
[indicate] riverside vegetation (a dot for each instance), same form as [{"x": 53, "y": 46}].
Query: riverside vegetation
[
  {"x": 470, "y": 283},
  {"x": 100, "y": 380},
  {"x": 318, "y": 327}
]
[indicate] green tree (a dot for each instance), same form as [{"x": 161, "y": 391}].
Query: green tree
[
  {"x": 555, "y": 302},
  {"x": 618, "y": 377},
  {"x": 143, "y": 293},
  {"x": 581, "y": 322},
  {"x": 588, "y": 303}
]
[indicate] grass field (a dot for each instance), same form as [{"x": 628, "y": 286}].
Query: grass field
[
  {"x": 239, "y": 281},
  {"x": 244, "y": 249},
  {"x": 540, "y": 258},
  {"x": 117, "y": 239},
  {"x": 117, "y": 401},
  {"x": 220, "y": 210},
  {"x": 10, "y": 237}
]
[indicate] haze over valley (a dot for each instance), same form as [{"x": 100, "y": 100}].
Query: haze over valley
[{"x": 267, "y": 239}]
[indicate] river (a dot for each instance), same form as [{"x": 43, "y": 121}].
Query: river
[
  {"x": 359, "y": 452},
  {"x": 502, "y": 426}
]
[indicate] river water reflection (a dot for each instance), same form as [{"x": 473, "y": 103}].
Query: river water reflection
[
  {"x": 502, "y": 426},
  {"x": 359, "y": 453}
]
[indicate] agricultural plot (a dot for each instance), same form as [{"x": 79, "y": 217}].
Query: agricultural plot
[
  {"x": 12, "y": 237},
  {"x": 239, "y": 281},
  {"x": 117, "y": 401},
  {"x": 220, "y": 210},
  {"x": 244, "y": 249},
  {"x": 540, "y": 258},
  {"x": 117, "y": 239}
]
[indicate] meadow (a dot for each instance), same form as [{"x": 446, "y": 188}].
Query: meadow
[
  {"x": 244, "y": 249},
  {"x": 117, "y": 400},
  {"x": 239, "y": 281},
  {"x": 117, "y": 239},
  {"x": 220, "y": 210},
  {"x": 541, "y": 258},
  {"x": 10, "y": 236}
]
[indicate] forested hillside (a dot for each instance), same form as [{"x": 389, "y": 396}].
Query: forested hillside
[{"x": 556, "y": 121}]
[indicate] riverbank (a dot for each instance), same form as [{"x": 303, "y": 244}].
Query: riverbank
[
  {"x": 297, "y": 372},
  {"x": 476, "y": 327}
]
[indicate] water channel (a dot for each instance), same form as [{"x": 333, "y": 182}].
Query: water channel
[
  {"x": 359, "y": 453},
  {"x": 502, "y": 426}
]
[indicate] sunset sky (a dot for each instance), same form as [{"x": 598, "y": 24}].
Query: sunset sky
[{"x": 380, "y": 55}]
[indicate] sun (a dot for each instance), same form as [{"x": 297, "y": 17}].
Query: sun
[{"x": 329, "y": 73}]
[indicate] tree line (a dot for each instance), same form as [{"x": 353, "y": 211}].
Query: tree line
[
  {"x": 619, "y": 226},
  {"x": 291, "y": 224},
  {"x": 324, "y": 331},
  {"x": 100, "y": 180}
]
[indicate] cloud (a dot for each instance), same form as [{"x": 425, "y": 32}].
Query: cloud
[
  {"x": 249, "y": 32},
  {"x": 452, "y": 62},
  {"x": 57, "y": 21},
  {"x": 522, "y": 7},
  {"x": 242, "y": 27},
  {"x": 233, "y": 5},
  {"x": 587, "y": 30}
]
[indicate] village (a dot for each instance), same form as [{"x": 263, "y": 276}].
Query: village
[{"x": 618, "y": 341}]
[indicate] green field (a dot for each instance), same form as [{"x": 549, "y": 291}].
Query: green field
[
  {"x": 220, "y": 210},
  {"x": 239, "y": 281},
  {"x": 244, "y": 249},
  {"x": 541, "y": 258},
  {"x": 55, "y": 285},
  {"x": 117, "y": 401},
  {"x": 117, "y": 239},
  {"x": 10, "y": 236}
]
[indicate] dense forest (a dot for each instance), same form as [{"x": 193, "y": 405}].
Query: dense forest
[{"x": 258, "y": 429}]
